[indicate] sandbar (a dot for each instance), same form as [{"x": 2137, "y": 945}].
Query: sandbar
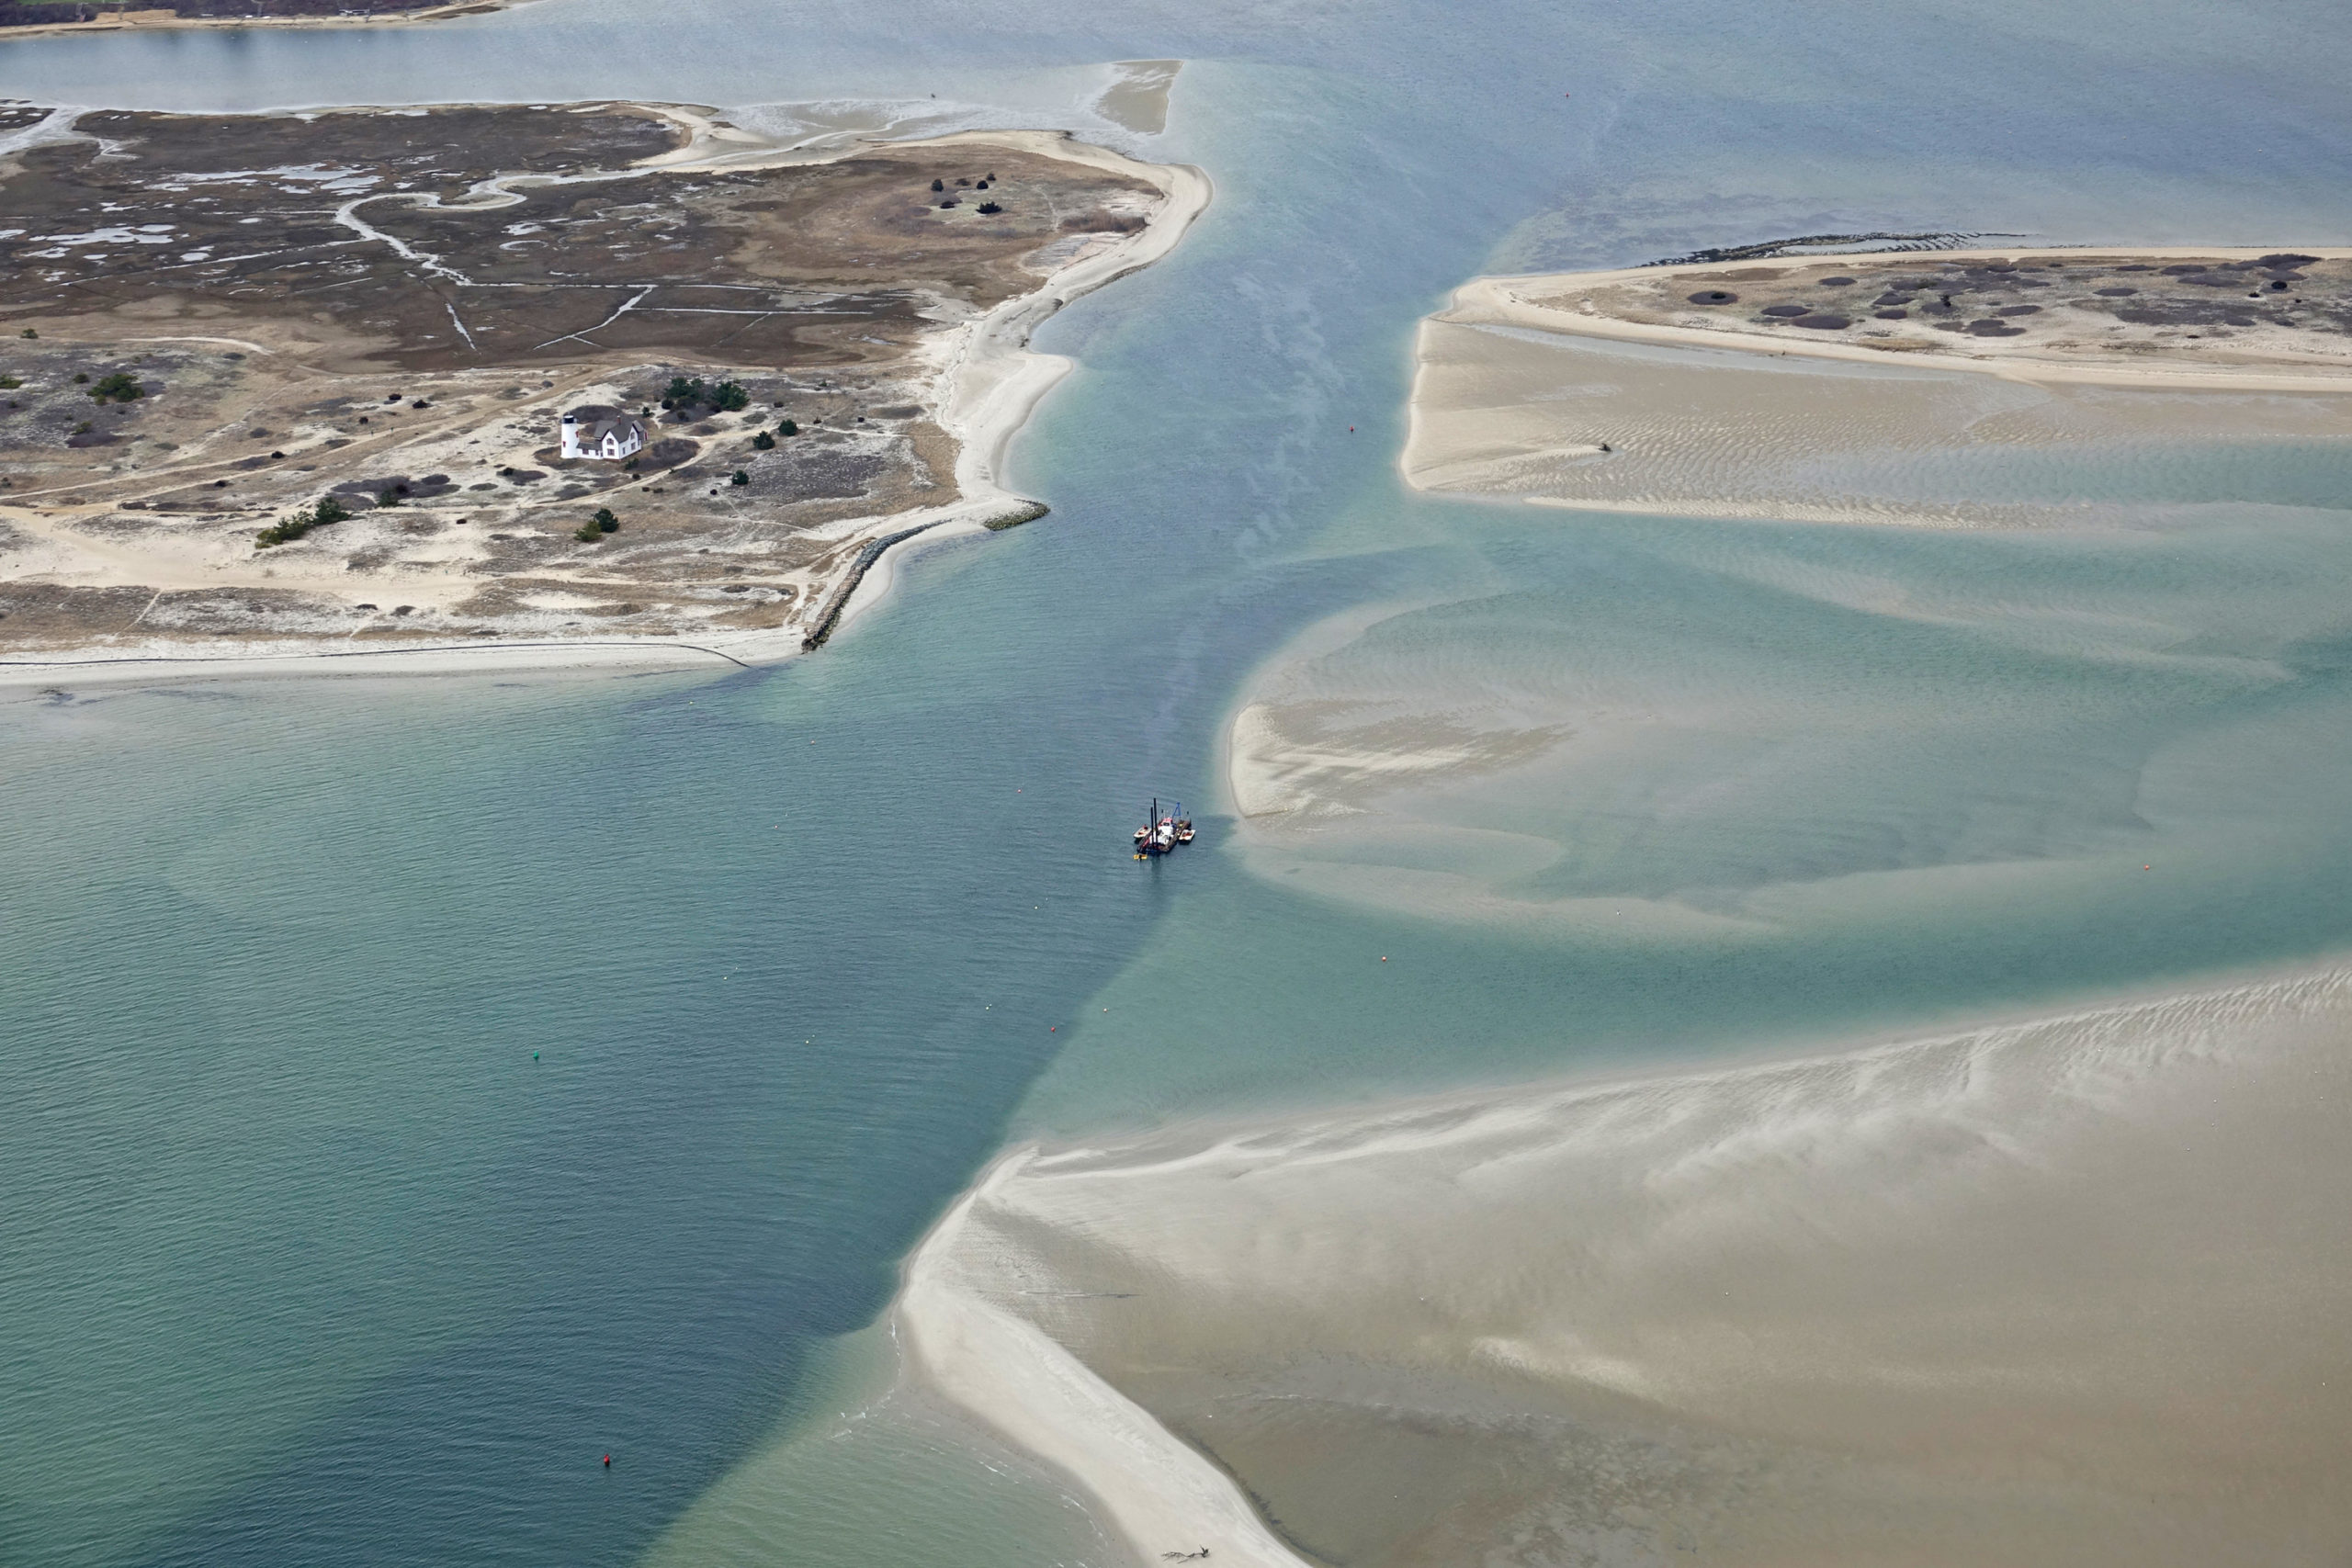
[
  {"x": 1676, "y": 389},
  {"x": 2066, "y": 1290}
]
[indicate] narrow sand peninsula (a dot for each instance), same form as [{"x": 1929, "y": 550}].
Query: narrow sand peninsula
[
  {"x": 1810, "y": 389},
  {"x": 2063, "y": 1291}
]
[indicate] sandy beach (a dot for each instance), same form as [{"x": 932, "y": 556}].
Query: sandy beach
[
  {"x": 2063, "y": 1290},
  {"x": 1595, "y": 391}
]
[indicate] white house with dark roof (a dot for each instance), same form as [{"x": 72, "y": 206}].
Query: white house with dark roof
[{"x": 611, "y": 434}]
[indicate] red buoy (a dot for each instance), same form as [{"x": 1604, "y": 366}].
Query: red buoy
[{"x": 608, "y": 1462}]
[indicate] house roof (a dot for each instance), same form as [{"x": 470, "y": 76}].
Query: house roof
[{"x": 594, "y": 422}]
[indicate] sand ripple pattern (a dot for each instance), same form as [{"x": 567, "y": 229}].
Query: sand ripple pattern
[
  {"x": 1506, "y": 410},
  {"x": 2060, "y": 1292}
]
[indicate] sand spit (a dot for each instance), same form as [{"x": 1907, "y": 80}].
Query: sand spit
[
  {"x": 1613, "y": 391},
  {"x": 1162, "y": 1495},
  {"x": 2060, "y": 1292}
]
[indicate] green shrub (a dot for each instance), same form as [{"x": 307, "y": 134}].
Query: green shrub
[
  {"x": 729, "y": 395},
  {"x": 9, "y": 383},
  {"x": 787, "y": 428},
  {"x": 119, "y": 388},
  {"x": 328, "y": 510},
  {"x": 740, "y": 477},
  {"x": 28, "y": 333},
  {"x": 388, "y": 497},
  {"x": 604, "y": 522},
  {"x": 588, "y": 533},
  {"x": 763, "y": 441}
]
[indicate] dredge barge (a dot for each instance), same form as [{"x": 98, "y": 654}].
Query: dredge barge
[{"x": 1159, "y": 834}]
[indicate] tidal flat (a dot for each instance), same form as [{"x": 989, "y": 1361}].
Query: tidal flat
[{"x": 2047, "y": 1292}]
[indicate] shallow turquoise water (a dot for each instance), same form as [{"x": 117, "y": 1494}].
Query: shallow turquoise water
[{"x": 306, "y": 1259}]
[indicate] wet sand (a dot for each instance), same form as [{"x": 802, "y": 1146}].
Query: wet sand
[
  {"x": 1137, "y": 97},
  {"x": 1551, "y": 390},
  {"x": 2060, "y": 1292}
]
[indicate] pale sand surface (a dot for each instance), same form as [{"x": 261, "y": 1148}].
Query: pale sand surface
[
  {"x": 1136, "y": 98},
  {"x": 2062, "y": 1291},
  {"x": 1594, "y": 391},
  {"x": 1501, "y": 409}
]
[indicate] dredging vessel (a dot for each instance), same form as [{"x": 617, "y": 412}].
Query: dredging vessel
[{"x": 1159, "y": 834}]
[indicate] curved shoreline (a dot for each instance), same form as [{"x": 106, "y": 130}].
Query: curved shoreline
[
  {"x": 1163, "y": 1495},
  {"x": 991, "y": 382},
  {"x": 1232, "y": 1243}
]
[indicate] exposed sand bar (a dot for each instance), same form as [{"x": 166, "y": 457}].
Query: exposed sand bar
[
  {"x": 1609, "y": 390},
  {"x": 2062, "y": 1291},
  {"x": 1162, "y": 1496},
  {"x": 1136, "y": 98}
]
